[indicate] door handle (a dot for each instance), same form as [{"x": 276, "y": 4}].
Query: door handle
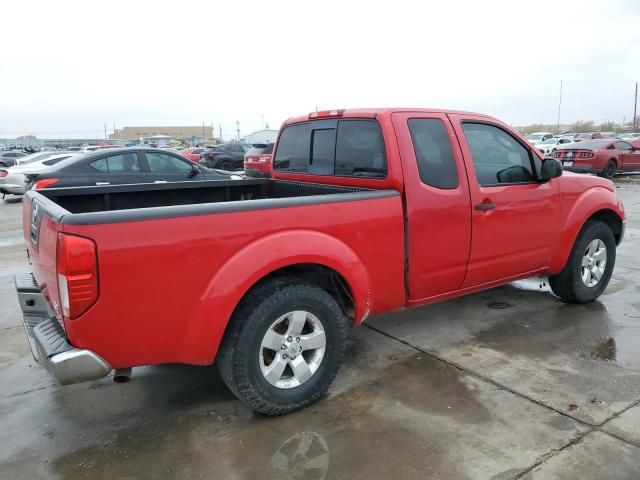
[
  {"x": 483, "y": 207},
  {"x": 103, "y": 183}
]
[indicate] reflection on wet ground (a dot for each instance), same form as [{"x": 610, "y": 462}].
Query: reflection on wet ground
[{"x": 505, "y": 383}]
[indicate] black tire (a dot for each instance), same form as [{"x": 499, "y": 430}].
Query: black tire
[
  {"x": 239, "y": 355},
  {"x": 568, "y": 284},
  {"x": 610, "y": 170},
  {"x": 226, "y": 165}
]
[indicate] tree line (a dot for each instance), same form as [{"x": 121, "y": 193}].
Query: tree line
[{"x": 578, "y": 127}]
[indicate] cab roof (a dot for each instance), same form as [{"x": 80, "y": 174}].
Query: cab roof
[{"x": 374, "y": 112}]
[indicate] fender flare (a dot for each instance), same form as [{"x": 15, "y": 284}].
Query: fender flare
[
  {"x": 590, "y": 202},
  {"x": 257, "y": 260}
]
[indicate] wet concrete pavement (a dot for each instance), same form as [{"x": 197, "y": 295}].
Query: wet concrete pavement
[{"x": 508, "y": 383}]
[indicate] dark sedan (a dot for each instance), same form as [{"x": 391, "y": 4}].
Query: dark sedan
[
  {"x": 229, "y": 156},
  {"x": 121, "y": 166}
]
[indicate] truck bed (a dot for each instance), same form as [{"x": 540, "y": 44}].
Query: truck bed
[
  {"x": 175, "y": 259},
  {"x": 116, "y": 203}
]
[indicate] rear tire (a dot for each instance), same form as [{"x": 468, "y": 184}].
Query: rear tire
[
  {"x": 245, "y": 362},
  {"x": 226, "y": 166},
  {"x": 575, "y": 283},
  {"x": 610, "y": 170}
]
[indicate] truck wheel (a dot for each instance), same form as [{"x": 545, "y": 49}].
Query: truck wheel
[
  {"x": 610, "y": 170},
  {"x": 283, "y": 347},
  {"x": 589, "y": 267}
]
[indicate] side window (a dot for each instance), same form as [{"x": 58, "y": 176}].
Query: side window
[
  {"x": 100, "y": 165},
  {"x": 497, "y": 156},
  {"x": 125, "y": 163},
  {"x": 623, "y": 146},
  {"x": 163, "y": 163},
  {"x": 433, "y": 153}
]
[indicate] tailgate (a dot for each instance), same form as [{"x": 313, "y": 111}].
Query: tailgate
[{"x": 40, "y": 223}]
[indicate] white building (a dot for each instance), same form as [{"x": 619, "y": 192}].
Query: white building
[{"x": 262, "y": 136}]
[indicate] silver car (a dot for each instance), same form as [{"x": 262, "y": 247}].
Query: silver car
[{"x": 13, "y": 180}]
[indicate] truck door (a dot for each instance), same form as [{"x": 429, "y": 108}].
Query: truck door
[
  {"x": 438, "y": 208},
  {"x": 514, "y": 216}
]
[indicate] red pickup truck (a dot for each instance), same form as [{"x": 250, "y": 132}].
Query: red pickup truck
[{"x": 368, "y": 211}]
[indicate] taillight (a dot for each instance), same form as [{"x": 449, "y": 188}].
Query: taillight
[
  {"x": 44, "y": 183},
  {"x": 77, "y": 269},
  {"x": 3, "y": 173}
]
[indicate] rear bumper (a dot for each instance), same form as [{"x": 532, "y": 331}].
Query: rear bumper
[
  {"x": 48, "y": 341},
  {"x": 12, "y": 188}
]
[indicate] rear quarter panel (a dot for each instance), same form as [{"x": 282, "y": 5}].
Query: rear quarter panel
[{"x": 169, "y": 286}]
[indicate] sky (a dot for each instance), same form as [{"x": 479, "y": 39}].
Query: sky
[{"x": 69, "y": 67}]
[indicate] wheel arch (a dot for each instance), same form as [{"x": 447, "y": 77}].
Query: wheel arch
[
  {"x": 595, "y": 204},
  {"x": 314, "y": 256}
]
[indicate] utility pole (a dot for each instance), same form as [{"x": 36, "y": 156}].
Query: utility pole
[
  {"x": 238, "y": 129},
  {"x": 635, "y": 108},
  {"x": 105, "y": 131},
  {"x": 114, "y": 131},
  {"x": 559, "y": 106},
  {"x": 220, "y": 132},
  {"x": 203, "y": 132}
]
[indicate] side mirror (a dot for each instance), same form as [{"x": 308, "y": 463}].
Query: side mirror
[
  {"x": 551, "y": 168},
  {"x": 195, "y": 170}
]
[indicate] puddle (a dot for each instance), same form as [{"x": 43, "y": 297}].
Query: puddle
[{"x": 604, "y": 350}]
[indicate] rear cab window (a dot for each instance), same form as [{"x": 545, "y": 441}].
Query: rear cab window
[{"x": 344, "y": 147}]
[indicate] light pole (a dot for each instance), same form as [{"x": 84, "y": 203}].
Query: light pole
[{"x": 559, "y": 106}]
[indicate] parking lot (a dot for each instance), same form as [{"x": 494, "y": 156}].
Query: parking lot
[{"x": 509, "y": 383}]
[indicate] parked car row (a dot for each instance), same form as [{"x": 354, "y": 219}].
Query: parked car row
[{"x": 104, "y": 167}]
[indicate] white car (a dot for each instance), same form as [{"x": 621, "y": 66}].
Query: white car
[
  {"x": 630, "y": 136},
  {"x": 550, "y": 145},
  {"x": 36, "y": 156},
  {"x": 93, "y": 148},
  {"x": 537, "y": 137},
  {"x": 13, "y": 180}
]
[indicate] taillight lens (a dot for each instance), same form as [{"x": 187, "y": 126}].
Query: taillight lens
[
  {"x": 44, "y": 183},
  {"x": 3, "y": 173},
  {"x": 77, "y": 269}
]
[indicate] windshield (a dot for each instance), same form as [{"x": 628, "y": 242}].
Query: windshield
[
  {"x": 36, "y": 156},
  {"x": 549, "y": 141},
  {"x": 583, "y": 135},
  {"x": 535, "y": 136}
]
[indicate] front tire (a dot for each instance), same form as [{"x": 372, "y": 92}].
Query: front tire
[
  {"x": 589, "y": 267},
  {"x": 284, "y": 346}
]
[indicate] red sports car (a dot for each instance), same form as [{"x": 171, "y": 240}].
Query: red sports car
[
  {"x": 257, "y": 161},
  {"x": 603, "y": 157},
  {"x": 193, "y": 153}
]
